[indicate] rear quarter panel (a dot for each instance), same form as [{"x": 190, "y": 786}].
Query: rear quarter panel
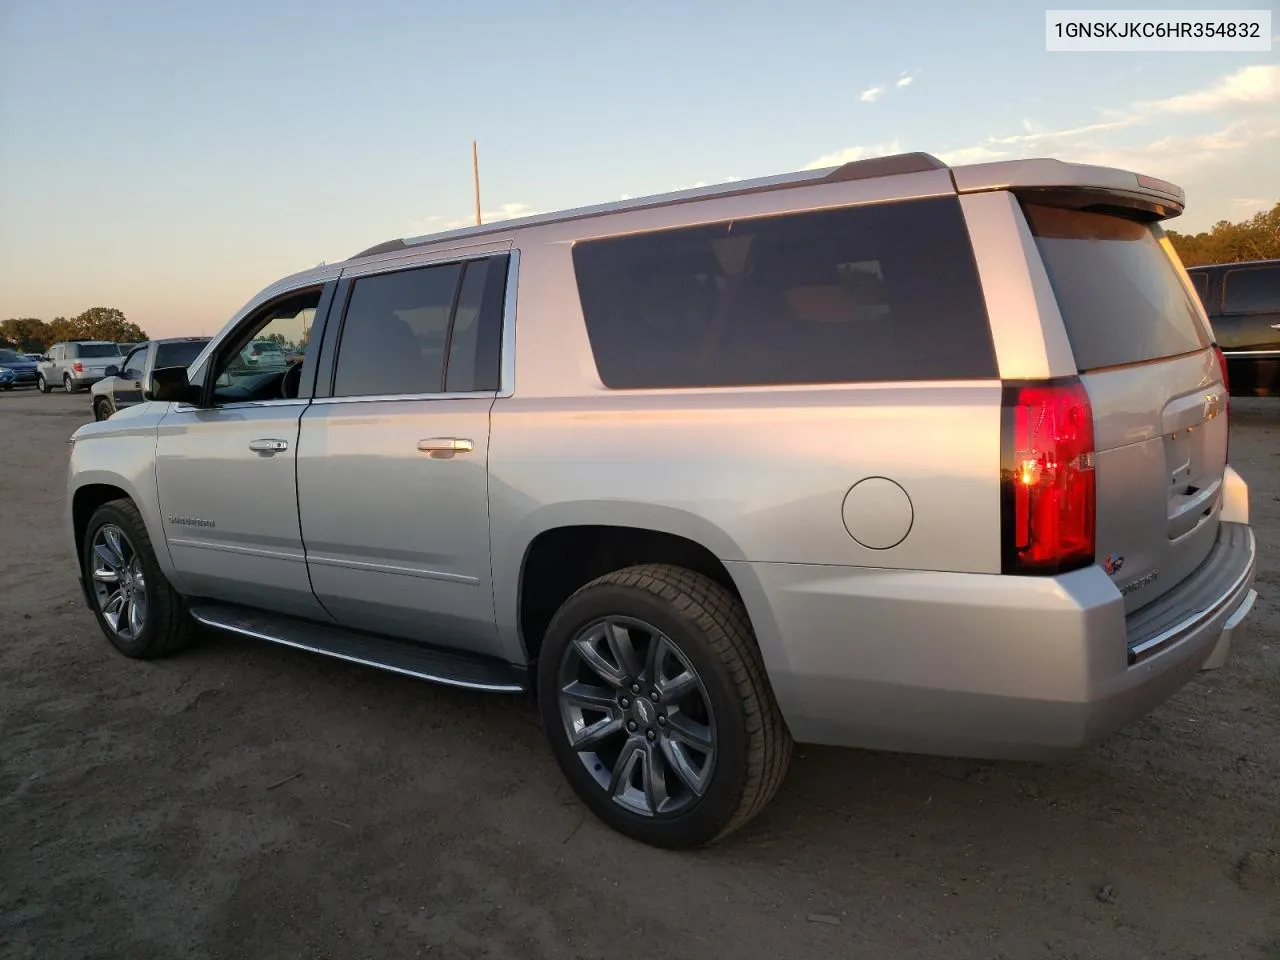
[{"x": 757, "y": 474}]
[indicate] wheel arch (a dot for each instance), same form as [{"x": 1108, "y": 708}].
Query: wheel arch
[
  {"x": 564, "y": 547},
  {"x": 91, "y": 486}
]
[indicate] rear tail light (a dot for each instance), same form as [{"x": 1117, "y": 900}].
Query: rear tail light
[
  {"x": 1048, "y": 489},
  {"x": 78, "y": 367}
]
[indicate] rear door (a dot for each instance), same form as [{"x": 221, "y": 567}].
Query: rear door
[
  {"x": 1143, "y": 349},
  {"x": 126, "y": 388},
  {"x": 393, "y": 454}
]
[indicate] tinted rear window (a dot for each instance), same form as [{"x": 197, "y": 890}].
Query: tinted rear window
[
  {"x": 871, "y": 293},
  {"x": 178, "y": 354},
  {"x": 1120, "y": 295},
  {"x": 1252, "y": 290},
  {"x": 96, "y": 351}
]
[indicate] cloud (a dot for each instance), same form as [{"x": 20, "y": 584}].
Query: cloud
[
  {"x": 849, "y": 154},
  {"x": 438, "y": 224},
  {"x": 871, "y": 94},
  {"x": 905, "y": 80},
  {"x": 978, "y": 154},
  {"x": 1248, "y": 86},
  {"x": 1250, "y": 201},
  {"x": 1240, "y": 94},
  {"x": 1042, "y": 136}
]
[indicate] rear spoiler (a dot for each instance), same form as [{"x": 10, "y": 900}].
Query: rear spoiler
[{"x": 1075, "y": 185}]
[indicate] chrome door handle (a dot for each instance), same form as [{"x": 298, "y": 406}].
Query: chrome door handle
[
  {"x": 268, "y": 446},
  {"x": 445, "y": 446},
  {"x": 1275, "y": 326}
]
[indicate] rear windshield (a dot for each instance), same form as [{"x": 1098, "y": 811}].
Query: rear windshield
[
  {"x": 94, "y": 351},
  {"x": 1121, "y": 297},
  {"x": 8, "y": 356},
  {"x": 872, "y": 293},
  {"x": 178, "y": 354}
]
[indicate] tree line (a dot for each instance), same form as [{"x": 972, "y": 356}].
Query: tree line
[
  {"x": 1257, "y": 238},
  {"x": 32, "y": 335}
]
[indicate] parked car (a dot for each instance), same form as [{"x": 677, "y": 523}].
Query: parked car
[
  {"x": 16, "y": 370},
  {"x": 891, "y": 455},
  {"x": 77, "y": 365},
  {"x": 122, "y": 386},
  {"x": 1243, "y": 303},
  {"x": 34, "y": 357}
]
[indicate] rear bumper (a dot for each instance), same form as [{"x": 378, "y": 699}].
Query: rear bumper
[{"x": 982, "y": 665}]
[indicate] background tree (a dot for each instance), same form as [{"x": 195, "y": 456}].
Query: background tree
[
  {"x": 29, "y": 334},
  {"x": 1257, "y": 238},
  {"x": 107, "y": 323}
]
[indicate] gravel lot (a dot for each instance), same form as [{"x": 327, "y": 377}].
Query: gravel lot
[{"x": 242, "y": 800}]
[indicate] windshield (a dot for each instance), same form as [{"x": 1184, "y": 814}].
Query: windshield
[
  {"x": 9, "y": 356},
  {"x": 178, "y": 354},
  {"x": 96, "y": 351}
]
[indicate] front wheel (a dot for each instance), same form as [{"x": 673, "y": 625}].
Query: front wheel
[
  {"x": 102, "y": 409},
  {"x": 137, "y": 609},
  {"x": 659, "y": 712},
  {"x": 41, "y": 384}
]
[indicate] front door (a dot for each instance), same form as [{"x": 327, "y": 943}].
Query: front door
[
  {"x": 226, "y": 475},
  {"x": 126, "y": 386},
  {"x": 392, "y": 465}
]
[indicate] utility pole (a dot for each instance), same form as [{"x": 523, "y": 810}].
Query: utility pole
[{"x": 475, "y": 175}]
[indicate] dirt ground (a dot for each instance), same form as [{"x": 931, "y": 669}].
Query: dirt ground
[{"x": 242, "y": 800}]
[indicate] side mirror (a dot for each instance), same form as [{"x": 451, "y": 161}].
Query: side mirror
[
  {"x": 111, "y": 371},
  {"x": 169, "y": 384}
]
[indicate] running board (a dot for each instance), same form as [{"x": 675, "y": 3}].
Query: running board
[{"x": 397, "y": 656}]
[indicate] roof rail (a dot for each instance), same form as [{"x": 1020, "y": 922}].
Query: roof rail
[{"x": 870, "y": 168}]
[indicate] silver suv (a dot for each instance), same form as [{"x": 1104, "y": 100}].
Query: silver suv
[
  {"x": 891, "y": 455},
  {"x": 76, "y": 365}
]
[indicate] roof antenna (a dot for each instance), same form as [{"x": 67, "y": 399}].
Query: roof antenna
[{"x": 475, "y": 176}]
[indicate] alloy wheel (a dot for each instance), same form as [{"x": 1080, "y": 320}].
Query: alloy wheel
[
  {"x": 638, "y": 716},
  {"x": 119, "y": 582},
  {"x": 67, "y": 385}
]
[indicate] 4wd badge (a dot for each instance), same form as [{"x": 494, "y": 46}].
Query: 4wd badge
[{"x": 1112, "y": 564}]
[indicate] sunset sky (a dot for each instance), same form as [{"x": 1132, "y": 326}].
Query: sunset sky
[{"x": 171, "y": 158}]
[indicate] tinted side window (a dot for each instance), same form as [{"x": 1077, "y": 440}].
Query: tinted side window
[
  {"x": 400, "y": 327},
  {"x": 872, "y": 293},
  {"x": 132, "y": 368},
  {"x": 1252, "y": 290},
  {"x": 393, "y": 338},
  {"x": 475, "y": 343}
]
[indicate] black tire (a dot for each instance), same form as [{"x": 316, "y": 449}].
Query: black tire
[
  {"x": 41, "y": 384},
  {"x": 103, "y": 408},
  {"x": 167, "y": 627},
  {"x": 710, "y": 627},
  {"x": 67, "y": 383}
]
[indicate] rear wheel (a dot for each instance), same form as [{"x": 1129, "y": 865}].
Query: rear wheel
[
  {"x": 657, "y": 706},
  {"x": 137, "y": 609},
  {"x": 41, "y": 384},
  {"x": 67, "y": 385},
  {"x": 102, "y": 408}
]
